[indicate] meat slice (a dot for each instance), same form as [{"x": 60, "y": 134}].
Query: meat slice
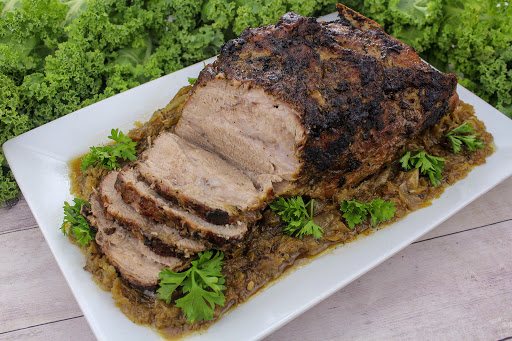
[
  {"x": 251, "y": 129},
  {"x": 318, "y": 105},
  {"x": 134, "y": 261},
  {"x": 200, "y": 181},
  {"x": 149, "y": 203},
  {"x": 162, "y": 239}
]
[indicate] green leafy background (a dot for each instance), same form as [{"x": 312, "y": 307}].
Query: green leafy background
[{"x": 57, "y": 57}]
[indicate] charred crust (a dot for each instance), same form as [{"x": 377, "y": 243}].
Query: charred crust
[
  {"x": 356, "y": 19},
  {"x": 342, "y": 86},
  {"x": 352, "y": 165},
  {"x": 217, "y": 216},
  {"x": 360, "y": 78},
  {"x": 324, "y": 153},
  {"x": 343, "y": 21},
  {"x": 160, "y": 248},
  {"x": 212, "y": 240},
  {"x": 232, "y": 46},
  {"x": 150, "y": 209},
  {"x": 313, "y": 154}
]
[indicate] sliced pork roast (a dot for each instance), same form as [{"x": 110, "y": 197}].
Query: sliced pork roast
[
  {"x": 134, "y": 261},
  {"x": 296, "y": 108},
  {"x": 200, "y": 181},
  {"x": 161, "y": 238},
  {"x": 318, "y": 105},
  {"x": 149, "y": 203}
]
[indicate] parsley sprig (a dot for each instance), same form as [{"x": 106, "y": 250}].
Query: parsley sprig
[
  {"x": 357, "y": 211},
  {"x": 429, "y": 165},
  {"x": 191, "y": 81},
  {"x": 295, "y": 212},
  {"x": 202, "y": 285},
  {"x": 470, "y": 141},
  {"x": 75, "y": 223},
  {"x": 107, "y": 156}
]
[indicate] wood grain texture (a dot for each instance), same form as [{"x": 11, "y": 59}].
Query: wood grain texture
[
  {"x": 17, "y": 217},
  {"x": 457, "y": 287},
  {"x": 73, "y": 329},
  {"x": 492, "y": 207},
  {"x": 32, "y": 288}
]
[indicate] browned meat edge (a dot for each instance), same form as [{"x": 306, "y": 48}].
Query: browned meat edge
[
  {"x": 147, "y": 204},
  {"x": 105, "y": 228},
  {"x": 142, "y": 227}
]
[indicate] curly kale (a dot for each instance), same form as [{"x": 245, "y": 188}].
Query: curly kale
[
  {"x": 11, "y": 124},
  {"x": 30, "y": 30}
]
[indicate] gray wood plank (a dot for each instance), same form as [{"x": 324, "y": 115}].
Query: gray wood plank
[
  {"x": 32, "y": 288},
  {"x": 17, "y": 217},
  {"x": 492, "y": 207},
  {"x": 457, "y": 287},
  {"x": 74, "y": 329}
]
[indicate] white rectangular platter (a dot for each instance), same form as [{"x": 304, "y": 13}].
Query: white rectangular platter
[{"x": 39, "y": 160}]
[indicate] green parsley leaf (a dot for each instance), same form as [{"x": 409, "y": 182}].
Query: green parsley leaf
[
  {"x": 462, "y": 129},
  {"x": 295, "y": 212},
  {"x": 75, "y": 223},
  {"x": 456, "y": 143},
  {"x": 405, "y": 161},
  {"x": 202, "y": 285},
  {"x": 381, "y": 210},
  {"x": 429, "y": 165},
  {"x": 469, "y": 140},
  {"x": 356, "y": 211},
  {"x": 191, "y": 81},
  {"x": 194, "y": 303},
  {"x": 107, "y": 156}
]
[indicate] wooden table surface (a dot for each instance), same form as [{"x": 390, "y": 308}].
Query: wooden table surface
[{"x": 455, "y": 283}]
